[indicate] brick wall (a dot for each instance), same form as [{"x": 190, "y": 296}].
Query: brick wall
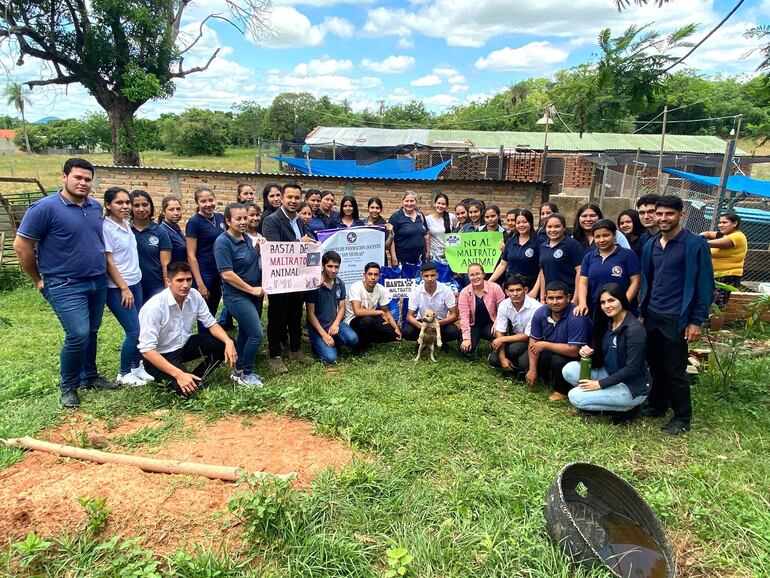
[{"x": 160, "y": 182}]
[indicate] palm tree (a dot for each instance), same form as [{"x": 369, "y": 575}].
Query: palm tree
[{"x": 18, "y": 97}]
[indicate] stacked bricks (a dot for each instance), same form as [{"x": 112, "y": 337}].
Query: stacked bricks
[{"x": 182, "y": 183}]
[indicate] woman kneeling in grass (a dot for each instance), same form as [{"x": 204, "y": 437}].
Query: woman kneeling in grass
[{"x": 620, "y": 380}]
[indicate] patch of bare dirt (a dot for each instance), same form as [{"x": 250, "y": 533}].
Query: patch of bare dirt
[{"x": 40, "y": 493}]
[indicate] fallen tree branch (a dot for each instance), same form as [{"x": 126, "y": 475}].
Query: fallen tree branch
[{"x": 227, "y": 473}]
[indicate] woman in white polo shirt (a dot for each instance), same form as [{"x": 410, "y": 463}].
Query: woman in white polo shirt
[{"x": 124, "y": 288}]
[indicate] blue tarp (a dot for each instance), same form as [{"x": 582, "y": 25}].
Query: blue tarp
[
  {"x": 738, "y": 183},
  {"x": 387, "y": 169}
]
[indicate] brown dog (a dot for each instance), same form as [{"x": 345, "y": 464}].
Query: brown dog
[{"x": 430, "y": 334}]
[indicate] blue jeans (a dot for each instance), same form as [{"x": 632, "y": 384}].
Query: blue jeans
[
  {"x": 244, "y": 309},
  {"x": 129, "y": 321},
  {"x": 613, "y": 398},
  {"x": 327, "y": 354},
  {"x": 79, "y": 305}
]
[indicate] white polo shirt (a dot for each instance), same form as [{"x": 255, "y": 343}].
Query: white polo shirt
[
  {"x": 519, "y": 320},
  {"x": 166, "y": 327},
  {"x": 120, "y": 241},
  {"x": 440, "y": 302}
]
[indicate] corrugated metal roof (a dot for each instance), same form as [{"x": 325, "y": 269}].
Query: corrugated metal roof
[
  {"x": 492, "y": 140},
  {"x": 367, "y": 137}
]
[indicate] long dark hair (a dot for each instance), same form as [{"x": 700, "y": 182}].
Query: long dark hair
[
  {"x": 140, "y": 193},
  {"x": 527, "y": 214},
  {"x": 267, "y": 208},
  {"x": 164, "y": 203},
  {"x": 636, "y": 222},
  {"x": 109, "y": 196},
  {"x": 554, "y": 209},
  {"x": 481, "y": 207},
  {"x": 577, "y": 231},
  {"x": 202, "y": 189},
  {"x": 445, "y": 215},
  {"x": 602, "y": 322},
  {"x": 353, "y": 202}
]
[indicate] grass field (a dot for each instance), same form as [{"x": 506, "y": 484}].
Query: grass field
[
  {"x": 458, "y": 462},
  {"x": 47, "y": 168}
]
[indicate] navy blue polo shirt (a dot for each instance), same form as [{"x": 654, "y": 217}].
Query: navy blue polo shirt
[
  {"x": 318, "y": 222},
  {"x": 240, "y": 257},
  {"x": 570, "y": 329},
  {"x": 610, "y": 350},
  {"x": 408, "y": 236},
  {"x": 149, "y": 243},
  {"x": 69, "y": 237},
  {"x": 178, "y": 241},
  {"x": 522, "y": 259},
  {"x": 327, "y": 301},
  {"x": 615, "y": 268},
  {"x": 668, "y": 267},
  {"x": 558, "y": 263},
  {"x": 206, "y": 231}
]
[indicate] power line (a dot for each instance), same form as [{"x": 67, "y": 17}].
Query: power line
[{"x": 684, "y": 121}]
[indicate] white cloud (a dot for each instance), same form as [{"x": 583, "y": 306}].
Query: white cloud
[
  {"x": 456, "y": 79},
  {"x": 326, "y": 66},
  {"x": 478, "y": 97},
  {"x": 727, "y": 51},
  {"x": 290, "y": 28},
  {"x": 530, "y": 56},
  {"x": 445, "y": 71},
  {"x": 458, "y": 88},
  {"x": 319, "y": 3},
  {"x": 427, "y": 80},
  {"x": 405, "y": 43},
  {"x": 391, "y": 65},
  {"x": 321, "y": 84},
  {"x": 441, "y": 101},
  {"x": 401, "y": 95}
]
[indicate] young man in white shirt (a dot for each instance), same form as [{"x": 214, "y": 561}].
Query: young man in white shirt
[
  {"x": 367, "y": 312},
  {"x": 509, "y": 347},
  {"x": 166, "y": 340},
  {"x": 438, "y": 297}
]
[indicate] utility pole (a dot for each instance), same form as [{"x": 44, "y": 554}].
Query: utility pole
[
  {"x": 546, "y": 120},
  {"x": 662, "y": 142},
  {"x": 726, "y": 168}
]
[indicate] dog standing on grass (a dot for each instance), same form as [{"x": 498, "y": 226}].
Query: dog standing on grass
[{"x": 430, "y": 334}]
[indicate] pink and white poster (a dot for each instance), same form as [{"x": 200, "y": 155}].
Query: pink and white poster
[{"x": 290, "y": 267}]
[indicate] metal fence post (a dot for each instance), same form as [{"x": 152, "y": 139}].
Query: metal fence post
[
  {"x": 500, "y": 163},
  {"x": 334, "y": 150},
  {"x": 258, "y": 160}
]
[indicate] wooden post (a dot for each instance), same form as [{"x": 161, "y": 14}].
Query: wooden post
[
  {"x": 728, "y": 160},
  {"x": 662, "y": 141},
  {"x": 500, "y": 163}
]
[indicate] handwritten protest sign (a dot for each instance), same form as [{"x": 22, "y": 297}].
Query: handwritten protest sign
[
  {"x": 399, "y": 288},
  {"x": 357, "y": 246},
  {"x": 290, "y": 267},
  {"x": 462, "y": 249}
]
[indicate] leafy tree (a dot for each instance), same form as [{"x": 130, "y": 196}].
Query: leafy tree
[
  {"x": 124, "y": 52},
  {"x": 18, "y": 96},
  {"x": 291, "y": 116},
  {"x": 195, "y": 132},
  {"x": 247, "y": 125}
]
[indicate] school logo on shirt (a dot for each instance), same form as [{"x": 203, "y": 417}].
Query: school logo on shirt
[
  {"x": 222, "y": 226},
  {"x": 529, "y": 252},
  {"x": 153, "y": 240},
  {"x": 614, "y": 341},
  {"x": 558, "y": 254},
  {"x": 352, "y": 237},
  {"x": 452, "y": 240},
  {"x": 617, "y": 271}
]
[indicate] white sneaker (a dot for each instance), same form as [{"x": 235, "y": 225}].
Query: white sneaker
[
  {"x": 142, "y": 374},
  {"x": 130, "y": 380},
  {"x": 252, "y": 380},
  {"x": 238, "y": 377}
]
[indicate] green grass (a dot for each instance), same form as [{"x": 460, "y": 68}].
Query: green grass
[
  {"x": 47, "y": 168},
  {"x": 457, "y": 463}
]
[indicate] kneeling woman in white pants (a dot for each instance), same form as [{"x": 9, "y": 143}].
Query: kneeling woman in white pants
[{"x": 620, "y": 380}]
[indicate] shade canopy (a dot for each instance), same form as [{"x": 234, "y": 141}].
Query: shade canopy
[{"x": 738, "y": 183}]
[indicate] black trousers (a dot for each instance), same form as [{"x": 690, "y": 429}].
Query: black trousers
[
  {"x": 517, "y": 353},
  {"x": 449, "y": 332},
  {"x": 549, "y": 366},
  {"x": 214, "y": 285},
  {"x": 370, "y": 330},
  {"x": 667, "y": 359},
  {"x": 284, "y": 310},
  {"x": 202, "y": 346}
]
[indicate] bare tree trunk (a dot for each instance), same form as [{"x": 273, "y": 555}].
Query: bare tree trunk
[
  {"x": 124, "y": 151},
  {"x": 24, "y": 129}
]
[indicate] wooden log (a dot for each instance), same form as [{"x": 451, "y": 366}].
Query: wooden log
[{"x": 227, "y": 473}]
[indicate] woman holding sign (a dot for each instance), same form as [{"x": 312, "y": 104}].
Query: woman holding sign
[
  {"x": 560, "y": 257},
  {"x": 238, "y": 263},
  {"x": 521, "y": 255}
]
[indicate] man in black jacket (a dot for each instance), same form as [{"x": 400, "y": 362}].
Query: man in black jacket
[{"x": 285, "y": 308}]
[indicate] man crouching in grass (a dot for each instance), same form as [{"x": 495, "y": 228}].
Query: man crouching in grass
[{"x": 166, "y": 340}]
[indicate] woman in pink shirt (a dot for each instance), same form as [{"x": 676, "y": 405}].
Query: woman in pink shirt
[{"x": 478, "y": 304}]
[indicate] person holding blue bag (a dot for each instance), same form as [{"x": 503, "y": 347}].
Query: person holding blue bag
[{"x": 411, "y": 239}]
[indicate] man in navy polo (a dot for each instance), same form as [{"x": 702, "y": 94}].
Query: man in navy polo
[
  {"x": 325, "y": 311},
  {"x": 555, "y": 338},
  {"x": 70, "y": 272}
]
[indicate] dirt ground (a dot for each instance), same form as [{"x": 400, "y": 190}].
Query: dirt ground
[{"x": 168, "y": 511}]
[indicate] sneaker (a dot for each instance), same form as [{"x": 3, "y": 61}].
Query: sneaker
[
  {"x": 130, "y": 380},
  {"x": 299, "y": 356},
  {"x": 69, "y": 398},
  {"x": 676, "y": 427},
  {"x": 277, "y": 365},
  {"x": 237, "y": 376},
  {"x": 99, "y": 382},
  {"x": 142, "y": 374},
  {"x": 252, "y": 380}
]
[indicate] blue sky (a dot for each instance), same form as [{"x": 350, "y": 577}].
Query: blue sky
[{"x": 444, "y": 52}]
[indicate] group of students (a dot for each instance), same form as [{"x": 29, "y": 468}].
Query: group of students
[{"x": 553, "y": 298}]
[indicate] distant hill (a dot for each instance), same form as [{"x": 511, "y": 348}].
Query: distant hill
[{"x": 46, "y": 119}]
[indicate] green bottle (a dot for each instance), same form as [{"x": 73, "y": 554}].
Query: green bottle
[{"x": 585, "y": 368}]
